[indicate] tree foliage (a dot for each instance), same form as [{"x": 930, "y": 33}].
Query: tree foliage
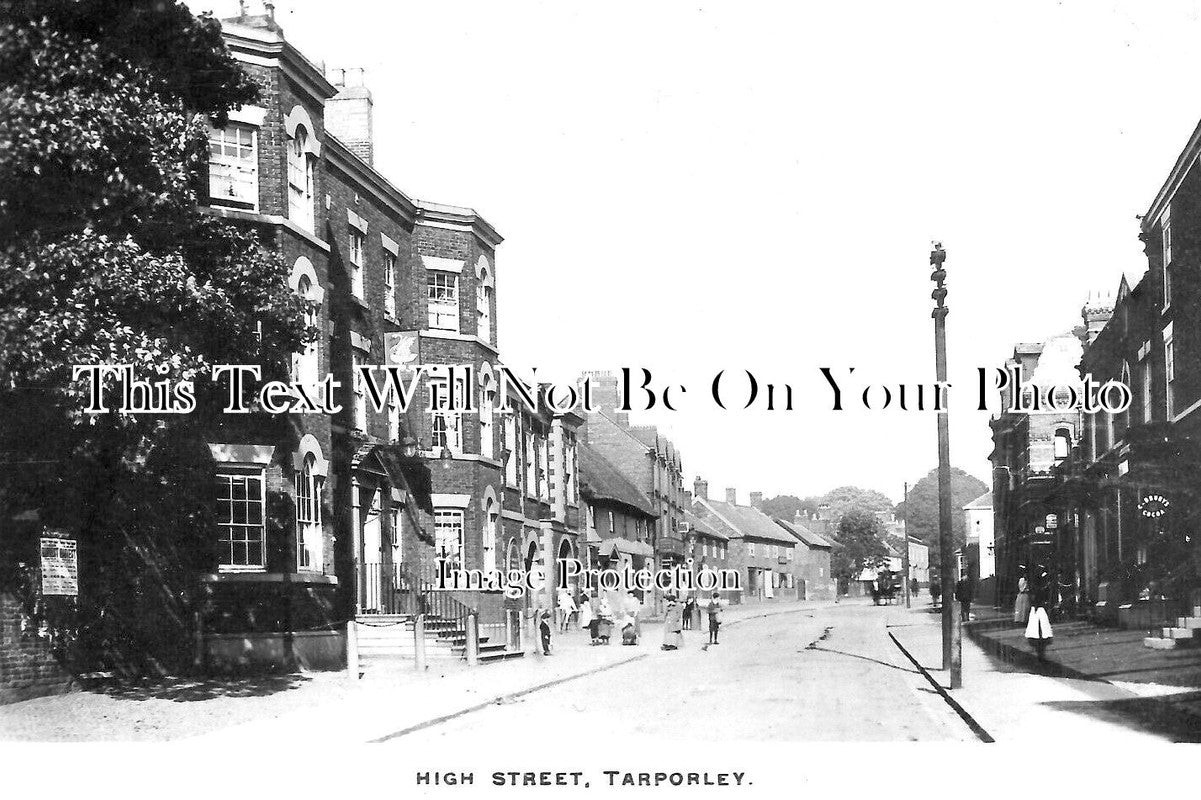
[
  {"x": 108, "y": 259},
  {"x": 861, "y": 544},
  {"x": 921, "y": 510}
]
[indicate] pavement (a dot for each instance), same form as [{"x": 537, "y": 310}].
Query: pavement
[
  {"x": 1011, "y": 702},
  {"x": 783, "y": 672},
  {"x": 1165, "y": 682}
]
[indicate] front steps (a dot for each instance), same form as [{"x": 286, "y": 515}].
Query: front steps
[
  {"x": 1186, "y": 632},
  {"x": 387, "y": 641}
]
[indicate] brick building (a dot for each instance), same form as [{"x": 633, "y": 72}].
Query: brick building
[
  {"x": 390, "y": 280},
  {"x": 811, "y": 564},
  {"x": 619, "y": 516},
  {"x": 1026, "y": 448},
  {"x": 647, "y": 458},
  {"x": 760, "y": 549}
]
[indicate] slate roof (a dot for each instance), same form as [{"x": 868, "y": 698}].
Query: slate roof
[
  {"x": 704, "y": 527},
  {"x": 602, "y": 480},
  {"x": 983, "y": 501},
  {"x": 807, "y": 536},
  {"x": 745, "y": 522}
]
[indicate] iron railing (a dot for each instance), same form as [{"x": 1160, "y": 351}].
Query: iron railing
[{"x": 409, "y": 590}]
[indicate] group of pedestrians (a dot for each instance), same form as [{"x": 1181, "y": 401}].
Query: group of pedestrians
[
  {"x": 597, "y": 616},
  {"x": 680, "y": 617}
]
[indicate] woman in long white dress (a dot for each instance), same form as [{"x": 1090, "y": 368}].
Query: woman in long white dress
[
  {"x": 1038, "y": 629},
  {"x": 1021, "y": 603}
]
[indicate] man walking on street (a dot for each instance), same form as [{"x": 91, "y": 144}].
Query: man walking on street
[{"x": 963, "y": 593}]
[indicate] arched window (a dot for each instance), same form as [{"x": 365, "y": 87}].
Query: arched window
[
  {"x": 487, "y": 407},
  {"x": 306, "y": 364},
  {"x": 491, "y": 517},
  {"x": 483, "y": 299},
  {"x": 1063, "y": 444},
  {"x": 300, "y": 180},
  {"x": 308, "y": 516}
]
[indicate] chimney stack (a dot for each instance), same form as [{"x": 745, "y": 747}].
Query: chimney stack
[
  {"x": 756, "y": 499},
  {"x": 700, "y": 488},
  {"x": 732, "y": 496},
  {"x": 348, "y": 114}
]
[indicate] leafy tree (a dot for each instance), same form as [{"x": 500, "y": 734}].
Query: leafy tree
[
  {"x": 848, "y": 498},
  {"x": 108, "y": 259},
  {"x": 921, "y": 511},
  {"x": 786, "y": 506},
  {"x": 861, "y": 545}
]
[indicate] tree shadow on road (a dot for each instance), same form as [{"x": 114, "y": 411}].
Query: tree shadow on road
[{"x": 189, "y": 690}]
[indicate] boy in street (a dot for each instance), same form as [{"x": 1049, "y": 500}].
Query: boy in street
[{"x": 714, "y": 609}]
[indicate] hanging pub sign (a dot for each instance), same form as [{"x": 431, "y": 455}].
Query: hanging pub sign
[
  {"x": 1154, "y": 506},
  {"x": 60, "y": 564}
]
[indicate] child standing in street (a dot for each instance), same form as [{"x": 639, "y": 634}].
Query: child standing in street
[{"x": 714, "y": 609}]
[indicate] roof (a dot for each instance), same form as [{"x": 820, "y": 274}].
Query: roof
[
  {"x": 808, "y": 537},
  {"x": 745, "y": 522},
  {"x": 601, "y": 480},
  {"x": 983, "y": 501},
  {"x": 703, "y": 526},
  {"x": 629, "y": 546}
]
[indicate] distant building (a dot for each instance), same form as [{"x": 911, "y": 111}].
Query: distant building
[
  {"x": 981, "y": 547},
  {"x": 760, "y": 549},
  {"x": 811, "y": 566}
]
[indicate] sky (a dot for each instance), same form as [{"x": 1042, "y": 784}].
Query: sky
[{"x": 706, "y": 186}]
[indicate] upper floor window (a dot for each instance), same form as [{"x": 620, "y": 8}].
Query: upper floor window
[
  {"x": 234, "y": 166},
  {"x": 303, "y": 280},
  {"x": 443, "y": 296},
  {"x": 1166, "y": 234},
  {"x": 1063, "y": 444},
  {"x": 360, "y": 393},
  {"x": 241, "y": 498},
  {"x": 356, "y": 262},
  {"x": 300, "y": 180},
  {"x": 483, "y": 299},
  {"x": 389, "y": 284},
  {"x": 1146, "y": 393}
]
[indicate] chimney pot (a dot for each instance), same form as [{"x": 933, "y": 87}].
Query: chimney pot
[{"x": 700, "y": 488}]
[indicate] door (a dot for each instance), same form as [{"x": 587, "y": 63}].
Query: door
[{"x": 373, "y": 544}]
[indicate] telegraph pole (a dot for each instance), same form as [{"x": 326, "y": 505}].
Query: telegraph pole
[
  {"x": 905, "y": 545},
  {"x": 951, "y": 632}
]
